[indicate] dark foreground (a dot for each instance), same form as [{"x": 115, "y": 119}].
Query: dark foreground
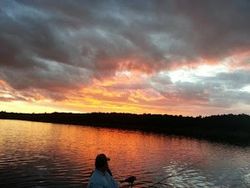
[{"x": 233, "y": 129}]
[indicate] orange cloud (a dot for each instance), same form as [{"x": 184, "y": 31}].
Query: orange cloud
[{"x": 129, "y": 89}]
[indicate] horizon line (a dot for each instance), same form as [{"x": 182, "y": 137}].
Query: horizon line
[{"x": 95, "y": 112}]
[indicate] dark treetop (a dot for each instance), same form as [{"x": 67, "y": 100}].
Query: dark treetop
[{"x": 234, "y": 129}]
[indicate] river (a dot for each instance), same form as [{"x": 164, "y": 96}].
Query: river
[{"x": 36, "y": 154}]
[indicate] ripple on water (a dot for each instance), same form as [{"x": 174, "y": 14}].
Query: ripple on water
[{"x": 49, "y": 155}]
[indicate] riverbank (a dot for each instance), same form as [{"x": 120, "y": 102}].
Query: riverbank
[{"x": 233, "y": 129}]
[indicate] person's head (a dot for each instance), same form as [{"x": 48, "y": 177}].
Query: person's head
[{"x": 101, "y": 162}]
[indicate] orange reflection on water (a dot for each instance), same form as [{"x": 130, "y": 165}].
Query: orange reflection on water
[
  {"x": 125, "y": 147},
  {"x": 87, "y": 142},
  {"x": 23, "y": 135},
  {"x": 67, "y": 152}
]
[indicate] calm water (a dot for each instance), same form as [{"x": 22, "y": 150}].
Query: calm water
[{"x": 51, "y": 155}]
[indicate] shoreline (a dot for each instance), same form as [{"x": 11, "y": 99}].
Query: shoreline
[{"x": 230, "y": 129}]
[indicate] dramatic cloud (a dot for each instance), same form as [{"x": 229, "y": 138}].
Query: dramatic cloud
[{"x": 149, "y": 55}]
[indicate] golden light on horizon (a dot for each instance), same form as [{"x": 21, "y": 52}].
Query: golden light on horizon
[{"x": 126, "y": 91}]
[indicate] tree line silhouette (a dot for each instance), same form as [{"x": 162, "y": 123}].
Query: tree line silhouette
[{"x": 228, "y": 128}]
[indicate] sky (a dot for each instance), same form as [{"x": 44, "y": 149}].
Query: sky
[{"x": 137, "y": 56}]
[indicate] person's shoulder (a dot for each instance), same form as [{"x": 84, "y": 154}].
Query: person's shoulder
[
  {"x": 111, "y": 180},
  {"x": 95, "y": 181},
  {"x": 95, "y": 173},
  {"x": 96, "y": 176}
]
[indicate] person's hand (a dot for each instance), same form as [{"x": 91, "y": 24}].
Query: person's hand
[{"x": 130, "y": 180}]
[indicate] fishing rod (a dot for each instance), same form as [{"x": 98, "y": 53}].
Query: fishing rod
[
  {"x": 160, "y": 182},
  {"x": 132, "y": 179},
  {"x": 165, "y": 178}
]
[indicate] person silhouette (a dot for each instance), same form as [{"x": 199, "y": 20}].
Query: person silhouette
[{"x": 102, "y": 176}]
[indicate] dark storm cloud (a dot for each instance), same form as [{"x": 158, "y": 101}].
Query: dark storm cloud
[
  {"x": 55, "y": 44},
  {"x": 234, "y": 80},
  {"x": 221, "y": 90},
  {"x": 225, "y": 89},
  {"x": 219, "y": 26}
]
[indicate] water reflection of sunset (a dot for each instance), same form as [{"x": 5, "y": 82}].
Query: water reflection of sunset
[
  {"x": 80, "y": 145},
  {"x": 65, "y": 154}
]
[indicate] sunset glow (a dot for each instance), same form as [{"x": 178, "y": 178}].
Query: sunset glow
[{"x": 125, "y": 56}]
